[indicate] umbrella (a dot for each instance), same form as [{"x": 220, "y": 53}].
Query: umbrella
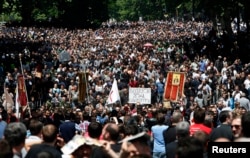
[
  {"x": 64, "y": 56},
  {"x": 148, "y": 45}
]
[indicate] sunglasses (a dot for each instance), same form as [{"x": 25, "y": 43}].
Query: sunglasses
[{"x": 235, "y": 126}]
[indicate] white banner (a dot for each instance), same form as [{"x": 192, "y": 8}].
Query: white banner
[
  {"x": 140, "y": 95},
  {"x": 114, "y": 93}
]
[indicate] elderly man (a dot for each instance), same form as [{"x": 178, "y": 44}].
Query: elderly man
[
  {"x": 236, "y": 126},
  {"x": 244, "y": 102},
  {"x": 182, "y": 131},
  {"x": 15, "y": 134}
]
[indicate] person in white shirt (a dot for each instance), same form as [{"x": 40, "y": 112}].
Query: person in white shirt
[
  {"x": 194, "y": 65},
  {"x": 205, "y": 87},
  {"x": 247, "y": 84},
  {"x": 224, "y": 73},
  {"x": 7, "y": 98},
  {"x": 35, "y": 137},
  {"x": 236, "y": 93},
  {"x": 170, "y": 49}
]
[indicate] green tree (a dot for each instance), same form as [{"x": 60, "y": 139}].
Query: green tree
[
  {"x": 25, "y": 7},
  {"x": 89, "y": 13},
  {"x": 44, "y": 11}
]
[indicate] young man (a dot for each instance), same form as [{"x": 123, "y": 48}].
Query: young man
[
  {"x": 50, "y": 139},
  {"x": 35, "y": 128},
  {"x": 198, "y": 119},
  {"x": 224, "y": 130}
]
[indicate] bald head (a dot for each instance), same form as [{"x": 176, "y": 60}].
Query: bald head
[
  {"x": 49, "y": 133},
  {"x": 111, "y": 132}
]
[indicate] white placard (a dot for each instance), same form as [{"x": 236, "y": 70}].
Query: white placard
[{"x": 140, "y": 95}]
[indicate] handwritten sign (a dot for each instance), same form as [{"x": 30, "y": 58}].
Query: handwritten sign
[{"x": 140, "y": 95}]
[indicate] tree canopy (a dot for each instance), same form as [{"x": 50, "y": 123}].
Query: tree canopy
[{"x": 91, "y": 13}]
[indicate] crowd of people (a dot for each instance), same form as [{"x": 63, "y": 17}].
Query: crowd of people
[{"x": 214, "y": 105}]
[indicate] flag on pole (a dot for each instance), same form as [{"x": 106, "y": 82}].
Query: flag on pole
[
  {"x": 17, "y": 103},
  {"x": 22, "y": 97},
  {"x": 113, "y": 94},
  {"x": 82, "y": 86}
]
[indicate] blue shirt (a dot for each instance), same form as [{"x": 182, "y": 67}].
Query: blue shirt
[
  {"x": 160, "y": 87},
  {"x": 3, "y": 125},
  {"x": 202, "y": 65},
  {"x": 159, "y": 143},
  {"x": 101, "y": 120}
]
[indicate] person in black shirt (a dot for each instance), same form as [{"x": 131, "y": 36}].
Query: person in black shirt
[
  {"x": 224, "y": 130},
  {"x": 170, "y": 133}
]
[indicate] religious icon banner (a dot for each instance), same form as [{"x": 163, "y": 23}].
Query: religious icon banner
[{"x": 174, "y": 86}]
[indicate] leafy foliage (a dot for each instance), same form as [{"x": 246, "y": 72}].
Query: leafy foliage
[{"x": 89, "y": 13}]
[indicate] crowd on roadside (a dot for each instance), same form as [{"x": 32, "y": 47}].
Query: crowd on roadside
[{"x": 216, "y": 93}]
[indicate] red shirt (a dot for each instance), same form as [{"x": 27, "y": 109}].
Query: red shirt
[
  {"x": 133, "y": 83},
  {"x": 199, "y": 127}
]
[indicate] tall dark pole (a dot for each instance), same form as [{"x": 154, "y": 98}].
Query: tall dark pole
[
  {"x": 238, "y": 16},
  {"x": 193, "y": 8}
]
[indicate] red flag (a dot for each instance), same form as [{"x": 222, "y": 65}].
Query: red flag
[
  {"x": 22, "y": 91},
  {"x": 174, "y": 86}
]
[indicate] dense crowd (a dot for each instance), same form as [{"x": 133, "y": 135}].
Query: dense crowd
[{"x": 55, "y": 123}]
